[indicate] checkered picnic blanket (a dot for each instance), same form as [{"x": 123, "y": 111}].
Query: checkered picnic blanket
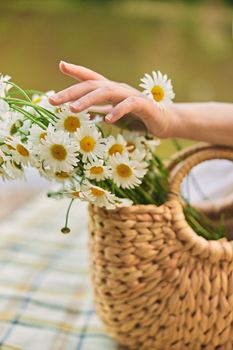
[{"x": 45, "y": 293}]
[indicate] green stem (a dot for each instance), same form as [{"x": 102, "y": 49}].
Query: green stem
[
  {"x": 145, "y": 194},
  {"x": 66, "y": 229},
  {"x": 54, "y": 194},
  {"x": 29, "y": 116},
  {"x": 19, "y": 89},
  {"x": 198, "y": 227},
  {"x": 49, "y": 114},
  {"x": 176, "y": 144},
  {"x": 23, "y": 133},
  {"x": 32, "y": 91}
]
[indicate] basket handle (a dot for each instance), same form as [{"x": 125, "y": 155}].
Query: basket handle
[
  {"x": 183, "y": 154},
  {"x": 201, "y": 155}
]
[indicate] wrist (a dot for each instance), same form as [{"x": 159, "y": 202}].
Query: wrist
[
  {"x": 192, "y": 120},
  {"x": 174, "y": 122}
]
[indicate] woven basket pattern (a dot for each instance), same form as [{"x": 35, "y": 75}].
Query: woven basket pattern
[{"x": 157, "y": 284}]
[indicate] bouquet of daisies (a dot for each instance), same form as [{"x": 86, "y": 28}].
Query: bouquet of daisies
[{"x": 91, "y": 164}]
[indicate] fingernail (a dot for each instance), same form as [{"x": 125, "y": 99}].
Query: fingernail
[
  {"x": 64, "y": 62},
  {"x": 76, "y": 106},
  {"x": 108, "y": 117},
  {"x": 53, "y": 98}
]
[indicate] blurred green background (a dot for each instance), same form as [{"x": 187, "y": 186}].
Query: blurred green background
[{"x": 191, "y": 41}]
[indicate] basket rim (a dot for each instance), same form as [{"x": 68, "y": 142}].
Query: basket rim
[{"x": 213, "y": 250}]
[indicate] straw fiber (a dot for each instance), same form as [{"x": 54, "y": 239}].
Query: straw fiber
[{"x": 157, "y": 284}]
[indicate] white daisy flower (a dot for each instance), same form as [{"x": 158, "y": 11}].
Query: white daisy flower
[
  {"x": 4, "y": 175},
  {"x": 126, "y": 173},
  {"x": 139, "y": 156},
  {"x": 69, "y": 121},
  {"x": 43, "y": 171},
  {"x": 151, "y": 145},
  {"x": 36, "y": 135},
  {"x": 123, "y": 202},
  {"x": 19, "y": 151},
  {"x": 116, "y": 145},
  {"x": 58, "y": 151},
  {"x": 102, "y": 198},
  {"x": 74, "y": 191},
  {"x": 91, "y": 144},
  {"x": 158, "y": 88},
  {"x": 135, "y": 145},
  {"x": 97, "y": 119},
  {"x": 99, "y": 197},
  {"x": 9, "y": 170},
  {"x": 4, "y": 108},
  {"x": 9, "y": 126},
  {"x": 96, "y": 170},
  {"x": 3, "y": 157},
  {"x": 61, "y": 176},
  {"x": 134, "y": 140},
  {"x": 42, "y": 100},
  {"x": 4, "y": 87},
  {"x": 26, "y": 126}
]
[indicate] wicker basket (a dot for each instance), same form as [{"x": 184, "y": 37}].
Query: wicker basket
[{"x": 157, "y": 284}]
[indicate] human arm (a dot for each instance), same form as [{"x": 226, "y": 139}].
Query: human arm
[{"x": 210, "y": 122}]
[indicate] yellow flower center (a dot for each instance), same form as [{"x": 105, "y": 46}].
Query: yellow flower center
[
  {"x": 75, "y": 194},
  {"x": 116, "y": 148},
  {"x": 96, "y": 170},
  {"x": 158, "y": 93},
  {"x": 62, "y": 175},
  {"x": 71, "y": 123},
  {"x": 97, "y": 192},
  {"x": 42, "y": 136},
  {"x": 22, "y": 150},
  {"x": 87, "y": 144},
  {"x": 130, "y": 146},
  {"x": 124, "y": 170},
  {"x": 58, "y": 152},
  {"x": 57, "y": 109},
  {"x": 37, "y": 100}
]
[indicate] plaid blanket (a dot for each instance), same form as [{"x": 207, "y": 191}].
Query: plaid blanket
[{"x": 45, "y": 293}]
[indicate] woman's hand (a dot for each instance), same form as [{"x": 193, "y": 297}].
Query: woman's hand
[{"x": 95, "y": 89}]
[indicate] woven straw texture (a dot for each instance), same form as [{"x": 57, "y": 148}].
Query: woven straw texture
[{"x": 157, "y": 284}]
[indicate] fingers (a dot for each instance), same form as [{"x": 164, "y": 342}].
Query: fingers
[
  {"x": 99, "y": 111},
  {"x": 132, "y": 104},
  {"x": 79, "y": 72},
  {"x": 105, "y": 109},
  {"x": 101, "y": 95},
  {"x": 76, "y": 91}
]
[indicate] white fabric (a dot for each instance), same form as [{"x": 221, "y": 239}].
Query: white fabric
[{"x": 214, "y": 178}]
